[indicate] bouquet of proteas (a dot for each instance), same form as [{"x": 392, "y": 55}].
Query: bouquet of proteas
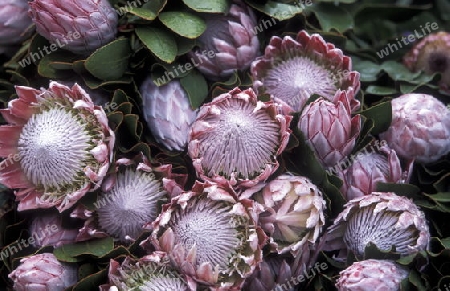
[{"x": 224, "y": 145}]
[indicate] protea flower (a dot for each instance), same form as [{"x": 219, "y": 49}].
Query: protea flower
[
  {"x": 43, "y": 272},
  {"x": 384, "y": 219},
  {"x": 292, "y": 70},
  {"x": 167, "y": 113},
  {"x": 293, "y": 212},
  {"x": 372, "y": 275},
  {"x": 15, "y": 23},
  {"x": 372, "y": 167},
  {"x": 236, "y": 139},
  {"x": 329, "y": 128},
  {"x": 228, "y": 43},
  {"x": 59, "y": 146},
  {"x": 420, "y": 128},
  {"x": 210, "y": 236},
  {"x": 131, "y": 198},
  {"x": 431, "y": 56},
  {"x": 47, "y": 230},
  {"x": 152, "y": 272},
  {"x": 80, "y": 26}
]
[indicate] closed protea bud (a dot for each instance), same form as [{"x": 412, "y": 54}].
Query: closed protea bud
[
  {"x": 80, "y": 26},
  {"x": 58, "y": 146},
  {"x": 210, "y": 236},
  {"x": 293, "y": 69},
  {"x": 381, "y": 165},
  {"x": 14, "y": 22},
  {"x": 293, "y": 212},
  {"x": 236, "y": 139},
  {"x": 431, "y": 56},
  {"x": 168, "y": 113},
  {"x": 228, "y": 43},
  {"x": 48, "y": 231},
  {"x": 43, "y": 272},
  {"x": 383, "y": 219},
  {"x": 372, "y": 275},
  {"x": 329, "y": 128},
  {"x": 420, "y": 128}
]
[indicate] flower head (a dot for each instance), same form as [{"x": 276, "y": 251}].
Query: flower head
[
  {"x": 47, "y": 230},
  {"x": 168, "y": 113},
  {"x": 228, "y": 43},
  {"x": 372, "y": 275},
  {"x": 420, "y": 128},
  {"x": 14, "y": 22},
  {"x": 58, "y": 146},
  {"x": 80, "y": 26},
  {"x": 431, "y": 56},
  {"x": 210, "y": 236},
  {"x": 236, "y": 139},
  {"x": 384, "y": 219},
  {"x": 292, "y": 70},
  {"x": 43, "y": 272}
]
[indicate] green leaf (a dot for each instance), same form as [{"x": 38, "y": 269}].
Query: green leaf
[
  {"x": 443, "y": 6},
  {"x": 380, "y": 90},
  {"x": 110, "y": 61},
  {"x": 398, "y": 72},
  {"x": 381, "y": 114},
  {"x": 183, "y": 23},
  {"x": 277, "y": 10},
  {"x": 149, "y": 11},
  {"x": 160, "y": 42},
  {"x": 211, "y": 6},
  {"x": 368, "y": 70},
  {"x": 72, "y": 253},
  {"x": 91, "y": 282},
  {"x": 196, "y": 87},
  {"x": 333, "y": 17}
]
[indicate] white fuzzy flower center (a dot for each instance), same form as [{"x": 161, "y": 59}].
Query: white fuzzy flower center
[
  {"x": 52, "y": 147},
  {"x": 132, "y": 202},
  {"x": 241, "y": 141},
  {"x": 296, "y": 79}
]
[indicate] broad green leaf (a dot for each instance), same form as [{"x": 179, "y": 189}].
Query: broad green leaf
[
  {"x": 279, "y": 11},
  {"x": 74, "y": 252},
  {"x": 183, "y": 23},
  {"x": 368, "y": 70},
  {"x": 160, "y": 42},
  {"x": 333, "y": 17},
  {"x": 380, "y": 90},
  {"x": 196, "y": 87},
  {"x": 443, "y": 7},
  {"x": 148, "y": 11},
  {"x": 210, "y": 6},
  {"x": 92, "y": 282},
  {"x": 398, "y": 72},
  {"x": 381, "y": 114}
]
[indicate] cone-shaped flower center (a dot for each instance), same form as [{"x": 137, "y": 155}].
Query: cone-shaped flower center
[
  {"x": 211, "y": 228},
  {"x": 134, "y": 201},
  {"x": 366, "y": 226},
  {"x": 295, "y": 80},
  {"x": 438, "y": 62},
  {"x": 53, "y": 147},
  {"x": 242, "y": 140}
]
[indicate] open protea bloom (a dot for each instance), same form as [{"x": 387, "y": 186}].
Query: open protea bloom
[
  {"x": 228, "y": 43},
  {"x": 43, "y": 272},
  {"x": 431, "y": 56},
  {"x": 236, "y": 139},
  {"x": 58, "y": 146},
  {"x": 372, "y": 275},
  {"x": 329, "y": 128},
  {"x": 210, "y": 236},
  {"x": 133, "y": 197},
  {"x": 382, "y": 218},
  {"x": 293, "y": 212},
  {"x": 370, "y": 168},
  {"x": 420, "y": 128},
  {"x": 47, "y": 230},
  {"x": 152, "y": 272},
  {"x": 293, "y": 69},
  {"x": 80, "y": 26},
  {"x": 14, "y": 22},
  {"x": 167, "y": 112}
]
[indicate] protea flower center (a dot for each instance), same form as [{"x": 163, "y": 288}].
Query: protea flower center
[
  {"x": 438, "y": 62},
  {"x": 133, "y": 201},
  {"x": 54, "y": 148}
]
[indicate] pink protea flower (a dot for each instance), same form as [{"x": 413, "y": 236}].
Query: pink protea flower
[
  {"x": 228, "y": 43},
  {"x": 372, "y": 167},
  {"x": 420, "y": 128},
  {"x": 236, "y": 139},
  {"x": 372, "y": 275},
  {"x": 43, "y": 272},
  {"x": 293, "y": 69},
  {"x": 168, "y": 113},
  {"x": 131, "y": 198},
  {"x": 293, "y": 212},
  {"x": 47, "y": 230},
  {"x": 80, "y": 26},
  {"x": 329, "y": 128},
  {"x": 384, "y": 219},
  {"x": 431, "y": 56},
  {"x": 152, "y": 272},
  {"x": 15, "y": 24},
  {"x": 58, "y": 146},
  {"x": 210, "y": 236}
]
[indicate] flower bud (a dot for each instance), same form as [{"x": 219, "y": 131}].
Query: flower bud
[
  {"x": 48, "y": 231},
  {"x": 14, "y": 22}
]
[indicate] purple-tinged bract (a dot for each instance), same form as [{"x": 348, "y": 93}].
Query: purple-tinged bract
[{"x": 15, "y": 24}]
